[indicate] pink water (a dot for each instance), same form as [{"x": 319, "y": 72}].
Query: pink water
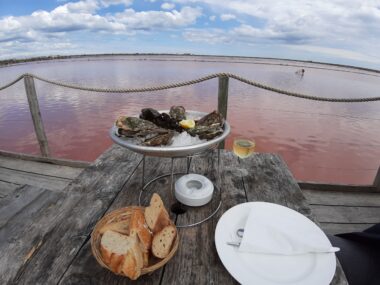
[{"x": 326, "y": 142}]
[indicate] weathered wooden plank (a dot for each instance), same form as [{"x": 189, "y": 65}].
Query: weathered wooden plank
[
  {"x": 86, "y": 200},
  {"x": 336, "y": 228},
  {"x": 376, "y": 182},
  {"x": 338, "y": 198},
  {"x": 21, "y": 177},
  {"x": 336, "y": 187},
  {"x": 42, "y": 168},
  {"x": 15, "y": 202},
  {"x": 56, "y": 161},
  {"x": 27, "y": 215},
  {"x": 223, "y": 95},
  {"x": 197, "y": 261},
  {"x": 85, "y": 269},
  {"x": 268, "y": 179},
  {"x": 36, "y": 115},
  {"x": 342, "y": 214},
  {"x": 6, "y": 188},
  {"x": 223, "y": 98}
]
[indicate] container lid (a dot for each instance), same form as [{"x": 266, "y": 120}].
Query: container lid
[{"x": 194, "y": 190}]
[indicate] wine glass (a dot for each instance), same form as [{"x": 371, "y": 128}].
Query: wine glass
[{"x": 243, "y": 147}]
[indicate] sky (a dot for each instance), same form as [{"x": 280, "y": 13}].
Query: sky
[{"x": 334, "y": 31}]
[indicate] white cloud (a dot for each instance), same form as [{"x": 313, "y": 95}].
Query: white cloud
[
  {"x": 82, "y": 16},
  {"x": 212, "y": 18},
  {"x": 227, "y": 17},
  {"x": 108, "y": 3},
  {"x": 337, "y": 52},
  {"x": 148, "y": 20},
  {"x": 211, "y": 36},
  {"x": 167, "y": 6}
]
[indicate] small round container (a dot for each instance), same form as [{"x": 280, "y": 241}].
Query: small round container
[{"x": 194, "y": 190}]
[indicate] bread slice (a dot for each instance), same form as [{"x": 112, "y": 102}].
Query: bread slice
[
  {"x": 133, "y": 261},
  {"x": 156, "y": 215},
  {"x": 140, "y": 228},
  {"x": 120, "y": 227},
  {"x": 122, "y": 253},
  {"x": 163, "y": 241}
]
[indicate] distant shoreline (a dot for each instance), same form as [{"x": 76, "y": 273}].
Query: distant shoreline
[{"x": 9, "y": 62}]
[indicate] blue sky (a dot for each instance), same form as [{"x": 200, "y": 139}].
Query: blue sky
[{"x": 334, "y": 31}]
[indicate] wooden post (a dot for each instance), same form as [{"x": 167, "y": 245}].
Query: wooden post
[
  {"x": 376, "y": 183},
  {"x": 36, "y": 115},
  {"x": 223, "y": 99}
]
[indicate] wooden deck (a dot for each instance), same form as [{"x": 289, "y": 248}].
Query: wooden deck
[
  {"x": 337, "y": 211},
  {"x": 15, "y": 172}
]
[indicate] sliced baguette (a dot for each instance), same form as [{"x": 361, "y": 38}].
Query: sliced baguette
[
  {"x": 163, "y": 241},
  {"x": 133, "y": 261},
  {"x": 139, "y": 227},
  {"x": 156, "y": 215},
  {"x": 122, "y": 253},
  {"x": 120, "y": 227}
]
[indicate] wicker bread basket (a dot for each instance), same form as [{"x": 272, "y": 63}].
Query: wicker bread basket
[{"x": 121, "y": 215}]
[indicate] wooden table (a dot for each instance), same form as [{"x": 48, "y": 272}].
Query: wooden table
[{"x": 45, "y": 235}]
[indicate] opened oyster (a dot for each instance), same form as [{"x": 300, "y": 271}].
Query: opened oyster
[
  {"x": 160, "y": 119},
  {"x": 146, "y": 132},
  {"x": 154, "y": 128},
  {"x": 208, "y": 127},
  {"x": 178, "y": 113}
]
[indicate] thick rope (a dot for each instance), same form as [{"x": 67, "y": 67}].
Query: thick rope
[
  {"x": 129, "y": 90},
  {"x": 12, "y": 82},
  {"x": 303, "y": 96},
  {"x": 195, "y": 81}
]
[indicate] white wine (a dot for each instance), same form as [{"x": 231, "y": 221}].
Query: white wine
[{"x": 243, "y": 147}]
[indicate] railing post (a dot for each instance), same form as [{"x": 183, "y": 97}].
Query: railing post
[
  {"x": 376, "y": 183},
  {"x": 223, "y": 99},
  {"x": 36, "y": 115}
]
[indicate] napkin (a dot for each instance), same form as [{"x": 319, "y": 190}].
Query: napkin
[{"x": 275, "y": 232}]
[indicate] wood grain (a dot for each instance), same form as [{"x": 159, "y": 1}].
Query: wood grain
[
  {"x": 86, "y": 200},
  {"x": 342, "y": 214},
  {"x": 40, "y": 168},
  {"x": 6, "y": 188},
  {"x": 38, "y": 180},
  {"x": 36, "y": 115},
  {"x": 85, "y": 269},
  {"x": 336, "y": 228},
  {"x": 62, "y": 248},
  {"x": 341, "y": 198},
  {"x": 26, "y": 216},
  {"x": 197, "y": 261},
  {"x": 269, "y": 180}
]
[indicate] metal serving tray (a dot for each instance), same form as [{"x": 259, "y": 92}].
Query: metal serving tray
[{"x": 170, "y": 151}]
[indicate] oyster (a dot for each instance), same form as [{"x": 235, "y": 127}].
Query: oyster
[
  {"x": 208, "y": 127},
  {"x": 149, "y": 114},
  {"x": 130, "y": 126},
  {"x": 178, "y": 113},
  {"x": 146, "y": 132},
  {"x": 210, "y": 119},
  {"x": 160, "y": 119}
]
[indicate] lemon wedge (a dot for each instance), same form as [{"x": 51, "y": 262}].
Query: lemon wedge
[{"x": 187, "y": 124}]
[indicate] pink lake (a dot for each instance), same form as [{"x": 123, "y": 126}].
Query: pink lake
[{"x": 320, "y": 141}]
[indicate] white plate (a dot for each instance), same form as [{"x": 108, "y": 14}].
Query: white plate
[{"x": 268, "y": 269}]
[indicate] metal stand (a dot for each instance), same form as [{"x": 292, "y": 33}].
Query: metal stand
[{"x": 177, "y": 207}]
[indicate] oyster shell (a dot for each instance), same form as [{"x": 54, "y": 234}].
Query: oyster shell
[
  {"x": 210, "y": 119},
  {"x": 178, "y": 113},
  {"x": 146, "y": 132},
  {"x": 208, "y": 127},
  {"x": 160, "y": 119}
]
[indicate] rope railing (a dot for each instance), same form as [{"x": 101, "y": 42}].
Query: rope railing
[{"x": 191, "y": 82}]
